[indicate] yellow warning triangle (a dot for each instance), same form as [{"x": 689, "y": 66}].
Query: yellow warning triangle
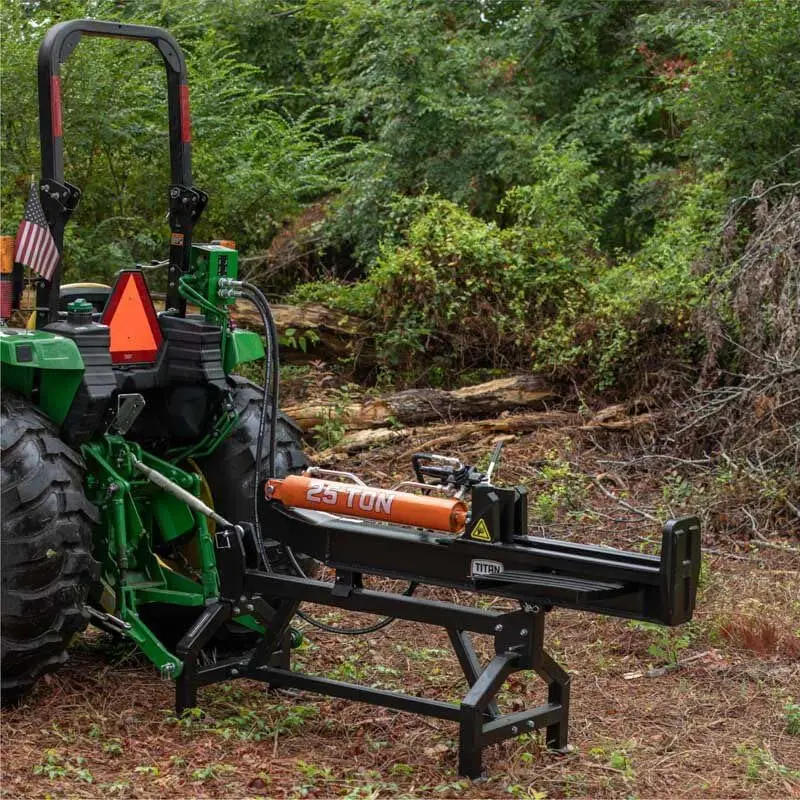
[{"x": 481, "y": 532}]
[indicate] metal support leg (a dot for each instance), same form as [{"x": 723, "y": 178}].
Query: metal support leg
[
  {"x": 473, "y": 705},
  {"x": 557, "y": 692},
  {"x": 518, "y": 645},
  {"x": 189, "y": 647},
  {"x": 266, "y": 615},
  {"x": 468, "y": 658},
  {"x": 275, "y": 634}
]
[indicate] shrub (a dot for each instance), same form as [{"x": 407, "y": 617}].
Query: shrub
[
  {"x": 454, "y": 289},
  {"x": 450, "y": 289},
  {"x": 640, "y": 308}
]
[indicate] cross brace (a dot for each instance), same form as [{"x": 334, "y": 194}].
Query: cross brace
[{"x": 518, "y": 643}]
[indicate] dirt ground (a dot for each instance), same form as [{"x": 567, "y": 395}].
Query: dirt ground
[{"x": 708, "y": 710}]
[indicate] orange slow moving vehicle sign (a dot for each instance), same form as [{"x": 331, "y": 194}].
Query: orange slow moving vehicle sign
[{"x": 131, "y": 317}]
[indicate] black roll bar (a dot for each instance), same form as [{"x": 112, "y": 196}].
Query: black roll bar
[{"x": 60, "y": 198}]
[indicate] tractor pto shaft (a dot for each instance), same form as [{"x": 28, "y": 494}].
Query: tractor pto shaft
[
  {"x": 195, "y": 503},
  {"x": 355, "y": 500}
]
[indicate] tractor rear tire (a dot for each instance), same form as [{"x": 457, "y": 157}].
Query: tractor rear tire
[
  {"x": 45, "y": 543},
  {"x": 231, "y": 469}
]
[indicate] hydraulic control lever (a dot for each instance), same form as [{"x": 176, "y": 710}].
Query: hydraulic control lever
[{"x": 446, "y": 471}]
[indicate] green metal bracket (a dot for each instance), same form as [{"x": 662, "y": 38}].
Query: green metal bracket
[
  {"x": 136, "y": 512},
  {"x": 43, "y": 364},
  {"x": 242, "y": 346},
  {"x": 207, "y": 264}
]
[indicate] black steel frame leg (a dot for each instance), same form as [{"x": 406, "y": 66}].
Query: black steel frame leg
[
  {"x": 265, "y": 614},
  {"x": 473, "y": 706},
  {"x": 189, "y": 647},
  {"x": 185, "y": 694},
  {"x": 518, "y": 645},
  {"x": 276, "y": 621},
  {"x": 557, "y": 692},
  {"x": 471, "y": 666}
]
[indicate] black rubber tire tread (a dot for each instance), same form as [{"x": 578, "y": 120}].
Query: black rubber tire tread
[
  {"x": 45, "y": 547},
  {"x": 231, "y": 469}
]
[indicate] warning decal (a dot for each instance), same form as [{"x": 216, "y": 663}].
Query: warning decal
[{"x": 481, "y": 532}]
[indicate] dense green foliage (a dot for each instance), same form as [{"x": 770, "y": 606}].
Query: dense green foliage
[
  {"x": 533, "y": 184},
  {"x": 257, "y": 163}
]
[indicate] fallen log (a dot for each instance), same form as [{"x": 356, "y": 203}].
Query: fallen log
[
  {"x": 624, "y": 424},
  {"x": 312, "y": 331},
  {"x": 415, "y": 406},
  {"x": 450, "y": 433}
]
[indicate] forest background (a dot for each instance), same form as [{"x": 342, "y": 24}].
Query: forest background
[
  {"x": 604, "y": 193},
  {"x": 600, "y": 198}
]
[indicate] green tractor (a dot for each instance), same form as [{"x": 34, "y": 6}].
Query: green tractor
[{"x": 104, "y": 389}]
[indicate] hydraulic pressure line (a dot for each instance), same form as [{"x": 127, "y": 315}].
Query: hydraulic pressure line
[
  {"x": 269, "y": 400},
  {"x": 228, "y": 287},
  {"x": 272, "y": 376}
]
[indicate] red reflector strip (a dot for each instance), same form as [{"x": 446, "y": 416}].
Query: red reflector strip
[
  {"x": 6, "y": 296},
  {"x": 186, "y": 123},
  {"x": 55, "y": 105},
  {"x": 130, "y": 315}
]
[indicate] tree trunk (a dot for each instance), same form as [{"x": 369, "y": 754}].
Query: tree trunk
[
  {"x": 415, "y": 406},
  {"x": 312, "y": 331}
]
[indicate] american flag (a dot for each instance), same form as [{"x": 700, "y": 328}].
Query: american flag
[{"x": 35, "y": 246}]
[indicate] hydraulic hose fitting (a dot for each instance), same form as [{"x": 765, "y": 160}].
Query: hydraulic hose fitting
[
  {"x": 229, "y": 287},
  {"x": 229, "y": 283}
]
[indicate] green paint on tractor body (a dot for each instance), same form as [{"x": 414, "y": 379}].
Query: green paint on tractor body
[
  {"x": 137, "y": 518},
  {"x": 210, "y": 262},
  {"x": 242, "y": 346},
  {"x": 42, "y": 366},
  {"x": 170, "y": 407}
]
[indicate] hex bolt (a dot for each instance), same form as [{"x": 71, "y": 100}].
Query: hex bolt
[
  {"x": 236, "y": 611},
  {"x": 523, "y": 633},
  {"x": 243, "y": 598},
  {"x": 250, "y": 607},
  {"x": 498, "y": 628},
  {"x": 514, "y": 729},
  {"x": 234, "y": 673},
  {"x": 531, "y": 724}
]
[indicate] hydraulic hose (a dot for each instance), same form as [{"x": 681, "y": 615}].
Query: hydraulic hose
[
  {"x": 257, "y": 297},
  {"x": 272, "y": 400},
  {"x": 268, "y": 401}
]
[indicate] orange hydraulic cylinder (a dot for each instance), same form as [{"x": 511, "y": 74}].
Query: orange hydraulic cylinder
[{"x": 356, "y": 500}]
